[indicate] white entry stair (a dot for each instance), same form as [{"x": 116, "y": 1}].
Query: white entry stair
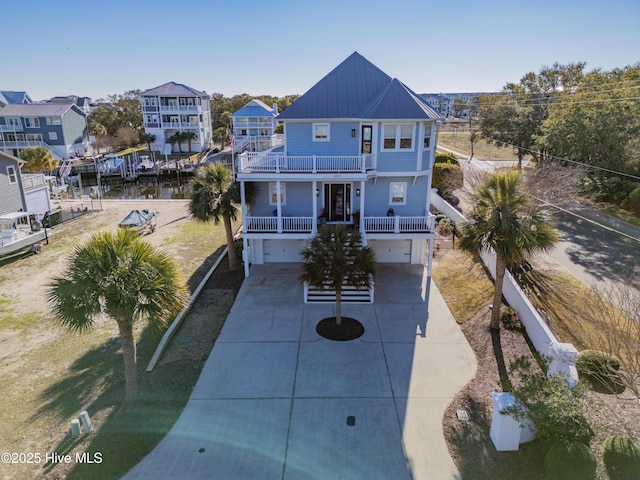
[{"x": 350, "y": 294}]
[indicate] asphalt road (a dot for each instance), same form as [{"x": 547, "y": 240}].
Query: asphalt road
[{"x": 593, "y": 254}]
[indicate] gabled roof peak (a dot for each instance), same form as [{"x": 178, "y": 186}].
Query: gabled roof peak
[{"x": 173, "y": 88}]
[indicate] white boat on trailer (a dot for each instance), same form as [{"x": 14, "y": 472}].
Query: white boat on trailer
[{"x": 20, "y": 232}]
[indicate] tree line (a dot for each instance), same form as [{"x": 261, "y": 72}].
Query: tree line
[{"x": 564, "y": 115}]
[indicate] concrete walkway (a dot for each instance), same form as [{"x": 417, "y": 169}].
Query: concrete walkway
[{"x": 273, "y": 399}]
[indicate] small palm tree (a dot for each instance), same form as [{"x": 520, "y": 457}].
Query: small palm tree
[
  {"x": 214, "y": 197},
  {"x": 176, "y": 138},
  {"x": 123, "y": 277},
  {"x": 189, "y": 137},
  {"x": 335, "y": 256},
  {"x": 505, "y": 220}
]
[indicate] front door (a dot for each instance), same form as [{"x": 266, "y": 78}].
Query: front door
[{"x": 337, "y": 201}]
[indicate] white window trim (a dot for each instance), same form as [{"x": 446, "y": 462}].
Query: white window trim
[
  {"x": 315, "y": 138},
  {"x": 397, "y": 138},
  {"x": 272, "y": 193},
  {"x": 11, "y": 172},
  {"x": 53, "y": 136},
  {"x": 404, "y": 189},
  {"x": 31, "y": 122}
]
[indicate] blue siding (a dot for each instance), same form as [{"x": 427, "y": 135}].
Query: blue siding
[
  {"x": 298, "y": 138},
  {"x": 377, "y": 197},
  {"x": 298, "y": 197}
]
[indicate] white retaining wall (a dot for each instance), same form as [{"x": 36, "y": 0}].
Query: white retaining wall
[{"x": 563, "y": 355}]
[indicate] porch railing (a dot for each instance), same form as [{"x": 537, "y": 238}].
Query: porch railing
[
  {"x": 256, "y": 162},
  {"x": 35, "y": 180},
  {"x": 399, "y": 224},
  {"x": 270, "y": 224}
]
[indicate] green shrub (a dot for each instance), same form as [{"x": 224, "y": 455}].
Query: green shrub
[
  {"x": 632, "y": 202},
  {"x": 447, "y": 177},
  {"x": 597, "y": 364},
  {"x": 621, "y": 457},
  {"x": 510, "y": 320},
  {"x": 572, "y": 460},
  {"x": 446, "y": 157}
]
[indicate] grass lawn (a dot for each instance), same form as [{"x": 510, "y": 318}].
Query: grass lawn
[
  {"x": 482, "y": 150},
  {"x": 48, "y": 375}
]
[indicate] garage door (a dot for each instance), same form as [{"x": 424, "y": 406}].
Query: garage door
[
  {"x": 280, "y": 251},
  {"x": 38, "y": 201},
  {"x": 391, "y": 251}
]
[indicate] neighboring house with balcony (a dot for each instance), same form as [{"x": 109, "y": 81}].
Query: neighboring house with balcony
[
  {"x": 172, "y": 108},
  {"x": 254, "y": 127},
  {"x": 359, "y": 148},
  {"x": 20, "y": 191},
  {"x": 60, "y": 128}
]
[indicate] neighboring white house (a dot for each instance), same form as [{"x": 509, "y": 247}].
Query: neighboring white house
[
  {"x": 176, "y": 108},
  {"x": 254, "y": 127},
  {"x": 21, "y": 191}
]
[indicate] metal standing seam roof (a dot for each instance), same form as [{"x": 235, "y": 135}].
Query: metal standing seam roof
[
  {"x": 173, "y": 88},
  {"x": 255, "y": 108},
  {"x": 358, "y": 89},
  {"x": 36, "y": 110},
  {"x": 9, "y": 97}
]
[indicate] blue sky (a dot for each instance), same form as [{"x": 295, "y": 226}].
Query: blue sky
[{"x": 281, "y": 47}]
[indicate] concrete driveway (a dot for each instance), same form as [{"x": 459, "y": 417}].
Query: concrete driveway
[{"x": 274, "y": 398}]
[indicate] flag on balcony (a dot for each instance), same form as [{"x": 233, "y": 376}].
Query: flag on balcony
[{"x": 231, "y": 138}]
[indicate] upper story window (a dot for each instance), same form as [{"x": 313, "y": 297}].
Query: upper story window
[
  {"x": 150, "y": 101},
  {"x": 273, "y": 193},
  {"x": 11, "y": 173},
  {"x": 33, "y": 137},
  {"x": 427, "y": 136},
  {"x": 397, "y": 137},
  {"x": 398, "y": 193},
  {"x": 53, "y": 136},
  {"x": 321, "y": 132},
  {"x": 53, "y": 121},
  {"x": 32, "y": 122},
  {"x": 14, "y": 121}
]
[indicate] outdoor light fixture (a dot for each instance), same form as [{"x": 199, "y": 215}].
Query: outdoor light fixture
[
  {"x": 317, "y": 192},
  {"x": 353, "y": 132},
  {"x": 357, "y": 192}
]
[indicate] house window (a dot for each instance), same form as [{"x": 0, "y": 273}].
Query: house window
[
  {"x": 11, "y": 173},
  {"x": 53, "y": 121},
  {"x": 150, "y": 101},
  {"x": 398, "y": 193},
  {"x": 53, "y": 136},
  {"x": 32, "y": 122},
  {"x": 273, "y": 194},
  {"x": 320, "y": 132},
  {"x": 33, "y": 137},
  {"x": 13, "y": 121},
  {"x": 427, "y": 136},
  {"x": 397, "y": 137}
]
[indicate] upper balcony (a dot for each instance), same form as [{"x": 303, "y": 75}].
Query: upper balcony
[
  {"x": 31, "y": 181},
  {"x": 12, "y": 128},
  {"x": 257, "y": 162}
]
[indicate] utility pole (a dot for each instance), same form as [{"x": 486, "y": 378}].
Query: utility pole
[{"x": 470, "y": 136}]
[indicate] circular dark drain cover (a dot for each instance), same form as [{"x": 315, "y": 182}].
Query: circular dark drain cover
[{"x": 351, "y": 420}]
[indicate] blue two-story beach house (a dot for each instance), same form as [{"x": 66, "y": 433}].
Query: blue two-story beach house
[{"x": 358, "y": 149}]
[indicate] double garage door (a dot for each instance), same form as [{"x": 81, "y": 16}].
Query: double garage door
[
  {"x": 387, "y": 251},
  {"x": 282, "y": 251},
  {"x": 392, "y": 251}
]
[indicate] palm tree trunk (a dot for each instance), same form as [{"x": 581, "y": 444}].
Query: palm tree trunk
[
  {"x": 497, "y": 294},
  {"x": 128, "y": 344},
  {"x": 233, "y": 259},
  {"x": 338, "y": 306}
]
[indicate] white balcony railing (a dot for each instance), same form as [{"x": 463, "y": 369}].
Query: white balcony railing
[
  {"x": 11, "y": 128},
  {"x": 398, "y": 224},
  {"x": 179, "y": 108},
  {"x": 35, "y": 180},
  {"x": 288, "y": 224},
  {"x": 253, "y": 162}
]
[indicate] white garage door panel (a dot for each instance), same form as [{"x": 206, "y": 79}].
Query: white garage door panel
[
  {"x": 38, "y": 201},
  {"x": 391, "y": 251},
  {"x": 280, "y": 251}
]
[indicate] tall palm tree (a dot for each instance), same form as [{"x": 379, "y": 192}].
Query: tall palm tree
[
  {"x": 189, "y": 136},
  {"x": 125, "y": 278},
  {"x": 214, "y": 196},
  {"x": 505, "y": 219},
  {"x": 336, "y": 256}
]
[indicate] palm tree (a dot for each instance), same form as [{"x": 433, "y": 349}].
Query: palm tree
[
  {"x": 334, "y": 257},
  {"x": 147, "y": 138},
  {"x": 214, "y": 197},
  {"x": 123, "y": 277},
  {"x": 177, "y": 138},
  {"x": 505, "y": 220},
  {"x": 189, "y": 136}
]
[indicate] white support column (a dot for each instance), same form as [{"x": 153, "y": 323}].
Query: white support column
[
  {"x": 430, "y": 257},
  {"x": 314, "y": 203},
  {"x": 243, "y": 207},
  {"x": 279, "y": 206},
  {"x": 362, "y": 190},
  {"x": 245, "y": 256}
]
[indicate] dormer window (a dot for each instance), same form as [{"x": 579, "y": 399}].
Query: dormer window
[{"x": 321, "y": 132}]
